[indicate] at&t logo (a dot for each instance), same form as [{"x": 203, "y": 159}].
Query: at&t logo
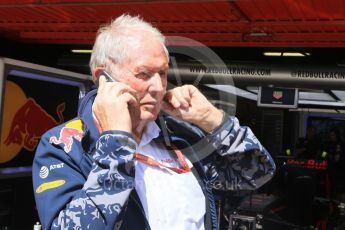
[{"x": 44, "y": 172}]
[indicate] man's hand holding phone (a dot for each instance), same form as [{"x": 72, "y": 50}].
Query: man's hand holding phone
[
  {"x": 115, "y": 105},
  {"x": 107, "y": 76}
]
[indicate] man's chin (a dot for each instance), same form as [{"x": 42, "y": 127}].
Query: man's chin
[{"x": 148, "y": 115}]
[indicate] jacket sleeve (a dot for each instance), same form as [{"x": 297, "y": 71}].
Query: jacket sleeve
[
  {"x": 67, "y": 199},
  {"x": 242, "y": 163}
]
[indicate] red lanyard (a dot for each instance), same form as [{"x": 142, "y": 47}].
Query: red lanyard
[{"x": 154, "y": 163}]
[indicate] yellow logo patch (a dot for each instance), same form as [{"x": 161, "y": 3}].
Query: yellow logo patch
[{"x": 49, "y": 185}]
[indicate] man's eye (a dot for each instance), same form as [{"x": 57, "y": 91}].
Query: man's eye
[
  {"x": 162, "y": 73},
  {"x": 143, "y": 75}
]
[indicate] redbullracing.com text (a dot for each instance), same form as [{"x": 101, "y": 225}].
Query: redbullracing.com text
[{"x": 231, "y": 70}]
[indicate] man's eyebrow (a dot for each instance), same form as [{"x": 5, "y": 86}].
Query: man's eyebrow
[
  {"x": 151, "y": 69},
  {"x": 141, "y": 68}
]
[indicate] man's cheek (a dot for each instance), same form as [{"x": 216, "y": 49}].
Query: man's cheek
[
  {"x": 139, "y": 87},
  {"x": 161, "y": 96}
]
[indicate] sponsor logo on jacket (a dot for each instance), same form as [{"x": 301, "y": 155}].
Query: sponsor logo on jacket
[
  {"x": 71, "y": 131},
  {"x": 44, "y": 171},
  {"x": 50, "y": 185}
]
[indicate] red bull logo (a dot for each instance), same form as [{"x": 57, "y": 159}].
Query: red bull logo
[
  {"x": 72, "y": 130},
  {"x": 24, "y": 122},
  {"x": 30, "y": 122}
]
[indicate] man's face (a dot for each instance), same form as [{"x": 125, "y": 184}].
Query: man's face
[{"x": 146, "y": 72}]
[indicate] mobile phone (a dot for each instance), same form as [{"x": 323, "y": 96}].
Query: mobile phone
[{"x": 107, "y": 76}]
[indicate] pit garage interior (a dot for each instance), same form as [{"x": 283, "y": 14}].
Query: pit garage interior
[{"x": 244, "y": 55}]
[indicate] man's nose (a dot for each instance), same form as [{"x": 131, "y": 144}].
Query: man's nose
[{"x": 156, "y": 83}]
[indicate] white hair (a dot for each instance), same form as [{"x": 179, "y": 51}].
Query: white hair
[{"x": 112, "y": 39}]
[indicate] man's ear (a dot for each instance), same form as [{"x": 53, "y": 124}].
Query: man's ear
[{"x": 96, "y": 72}]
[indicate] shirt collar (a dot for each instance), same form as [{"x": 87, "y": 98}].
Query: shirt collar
[{"x": 151, "y": 132}]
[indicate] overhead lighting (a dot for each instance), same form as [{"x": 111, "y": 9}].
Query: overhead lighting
[
  {"x": 293, "y": 54},
  {"x": 273, "y": 54},
  {"x": 81, "y": 51},
  {"x": 259, "y": 34},
  {"x": 286, "y": 54}
]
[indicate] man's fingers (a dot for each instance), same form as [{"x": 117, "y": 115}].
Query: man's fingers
[
  {"x": 171, "y": 99},
  {"x": 101, "y": 80},
  {"x": 109, "y": 89},
  {"x": 123, "y": 88},
  {"x": 130, "y": 99},
  {"x": 186, "y": 94},
  {"x": 169, "y": 109},
  {"x": 179, "y": 97}
]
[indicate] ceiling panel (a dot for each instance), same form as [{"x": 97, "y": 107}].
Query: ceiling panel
[{"x": 241, "y": 23}]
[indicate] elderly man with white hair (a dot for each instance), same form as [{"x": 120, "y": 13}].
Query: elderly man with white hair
[{"x": 117, "y": 171}]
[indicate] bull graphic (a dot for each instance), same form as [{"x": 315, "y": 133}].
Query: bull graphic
[
  {"x": 30, "y": 122},
  {"x": 72, "y": 130}
]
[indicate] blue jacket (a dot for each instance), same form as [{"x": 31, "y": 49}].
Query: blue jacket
[{"x": 85, "y": 180}]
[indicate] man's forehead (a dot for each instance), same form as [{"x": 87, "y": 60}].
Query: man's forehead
[
  {"x": 144, "y": 50},
  {"x": 147, "y": 60},
  {"x": 136, "y": 37}
]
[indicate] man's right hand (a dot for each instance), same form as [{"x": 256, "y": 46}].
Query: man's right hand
[{"x": 112, "y": 105}]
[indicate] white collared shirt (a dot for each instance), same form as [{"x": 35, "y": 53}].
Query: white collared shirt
[{"x": 170, "y": 200}]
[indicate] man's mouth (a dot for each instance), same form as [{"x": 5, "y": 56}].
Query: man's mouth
[{"x": 153, "y": 103}]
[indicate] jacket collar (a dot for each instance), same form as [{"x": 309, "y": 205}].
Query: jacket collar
[{"x": 85, "y": 114}]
